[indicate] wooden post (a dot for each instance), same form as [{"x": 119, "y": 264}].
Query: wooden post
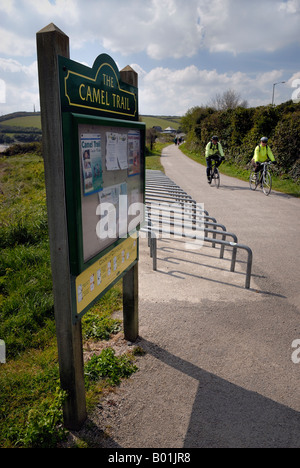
[
  {"x": 129, "y": 76},
  {"x": 130, "y": 280},
  {"x": 50, "y": 43},
  {"x": 131, "y": 304}
]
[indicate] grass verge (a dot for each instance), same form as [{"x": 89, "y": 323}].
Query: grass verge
[
  {"x": 30, "y": 394},
  {"x": 280, "y": 183},
  {"x": 153, "y": 157}
]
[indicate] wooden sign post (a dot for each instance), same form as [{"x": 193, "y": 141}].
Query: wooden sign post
[{"x": 93, "y": 149}]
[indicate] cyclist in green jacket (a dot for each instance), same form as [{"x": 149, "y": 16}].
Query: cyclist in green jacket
[
  {"x": 261, "y": 154},
  {"x": 213, "y": 152}
]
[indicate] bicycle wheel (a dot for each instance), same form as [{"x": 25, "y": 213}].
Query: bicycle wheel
[
  {"x": 253, "y": 180},
  {"x": 267, "y": 183},
  {"x": 216, "y": 177}
]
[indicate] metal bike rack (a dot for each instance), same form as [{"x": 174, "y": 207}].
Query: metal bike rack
[
  {"x": 160, "y": 221},
  {"x": 193, "y": 212},
  {"x": 185, "y": 213},
  {"x": 153, "y": 250}
]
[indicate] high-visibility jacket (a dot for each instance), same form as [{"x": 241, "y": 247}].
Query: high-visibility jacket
[
  {"x": 262, "y": 153},
  {"x": 213, "y": 149}
]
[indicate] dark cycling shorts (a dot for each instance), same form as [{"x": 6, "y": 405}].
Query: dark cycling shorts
[{"x": 211, "y": 158}]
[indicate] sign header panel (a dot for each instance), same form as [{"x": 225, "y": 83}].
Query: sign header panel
[{"x": 97, "y": 90}]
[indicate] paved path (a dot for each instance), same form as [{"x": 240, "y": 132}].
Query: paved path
[
  {"x": 218, "y": 370},
  {"x": 269, "y": 225}
]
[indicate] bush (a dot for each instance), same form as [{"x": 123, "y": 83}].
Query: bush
[
  {"x": 240, "y": 130},
  {"x": 19, "y": 148},
  {"x": 286, "y": 142},
  {"x": 265, "y": 120}
]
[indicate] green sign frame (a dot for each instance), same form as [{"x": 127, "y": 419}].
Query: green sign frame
[
  {"x": 97, "y": 90},
  {"x": 74, "y": 190},
  {"x": 97, "y": 102}
]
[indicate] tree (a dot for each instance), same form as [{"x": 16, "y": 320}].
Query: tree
[
  {"x": 230, "y": 99},
  {"x": 151, "y": 135}
]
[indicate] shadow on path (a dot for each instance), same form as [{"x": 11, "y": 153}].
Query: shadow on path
[{"x": 225, "y": 415}]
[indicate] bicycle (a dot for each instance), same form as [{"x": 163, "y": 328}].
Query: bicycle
[
  {"x": 262, "y": 178},
  {"x": 214, "y": 173}
]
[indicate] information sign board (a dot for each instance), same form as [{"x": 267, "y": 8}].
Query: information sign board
[
  {"x": 104, "y": 159},
  {"x": 93, "y": 150}
]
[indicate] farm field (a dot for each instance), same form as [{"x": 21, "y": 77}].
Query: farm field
[
  {"x": 34, "y": 121},
  {"x": 25, "y": 122}
]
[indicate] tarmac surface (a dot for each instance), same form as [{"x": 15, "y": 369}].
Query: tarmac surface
[{"x": 220, "y": 369}]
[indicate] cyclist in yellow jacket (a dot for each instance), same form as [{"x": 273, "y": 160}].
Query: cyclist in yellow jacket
[
  {"x": 213, "y": 152},
  {"x": 261, "y": 154}
]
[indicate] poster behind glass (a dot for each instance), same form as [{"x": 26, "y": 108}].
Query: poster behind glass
[{"x": 112, "y": 184}]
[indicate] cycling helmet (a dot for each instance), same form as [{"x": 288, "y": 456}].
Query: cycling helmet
[
  {"x": 264, "y": 140},
  {"x": 215, "y": 138}
]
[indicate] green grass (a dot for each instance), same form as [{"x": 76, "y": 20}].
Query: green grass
[
  {"x": 30, "y": 395},
  {"x": 29, "y": 385},
  {"x": 280, "y": 183},
  {"x": 33, "y": 121},
  {"x": 153, "y": 158}
]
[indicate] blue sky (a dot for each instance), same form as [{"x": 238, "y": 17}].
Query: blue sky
[{"x": 185, "y": 51}]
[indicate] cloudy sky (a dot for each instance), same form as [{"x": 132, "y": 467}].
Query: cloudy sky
[{"x": 185, "y": 51}]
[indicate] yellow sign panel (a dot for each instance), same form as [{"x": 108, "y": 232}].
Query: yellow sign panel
[{"x": 93, "y": 281}]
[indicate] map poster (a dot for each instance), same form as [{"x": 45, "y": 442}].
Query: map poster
[{"x": 90, "y": 145}]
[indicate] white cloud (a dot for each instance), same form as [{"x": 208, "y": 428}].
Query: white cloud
[
  {"x": 21, "y": 86},
  {"x": 60, "y": 10},
  {"x": 161, "y": 30},
  {"x": 242, "y": 26},
  {"x": 164, "y": 28},
  {"x": 13, "y": 44},
  {"x": 164, "y": 91},
  {"x": 290, "y": 6},
  {"x": 24, "y": 18}
]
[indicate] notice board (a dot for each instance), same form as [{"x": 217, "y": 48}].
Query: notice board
[{"x": 104, "y": 157}]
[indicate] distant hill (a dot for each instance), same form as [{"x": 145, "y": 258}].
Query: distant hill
[
  {"x": 21, "y": 119},
  {"x": 161, "y": 121},
  {"x": 33, "y": 120}
]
